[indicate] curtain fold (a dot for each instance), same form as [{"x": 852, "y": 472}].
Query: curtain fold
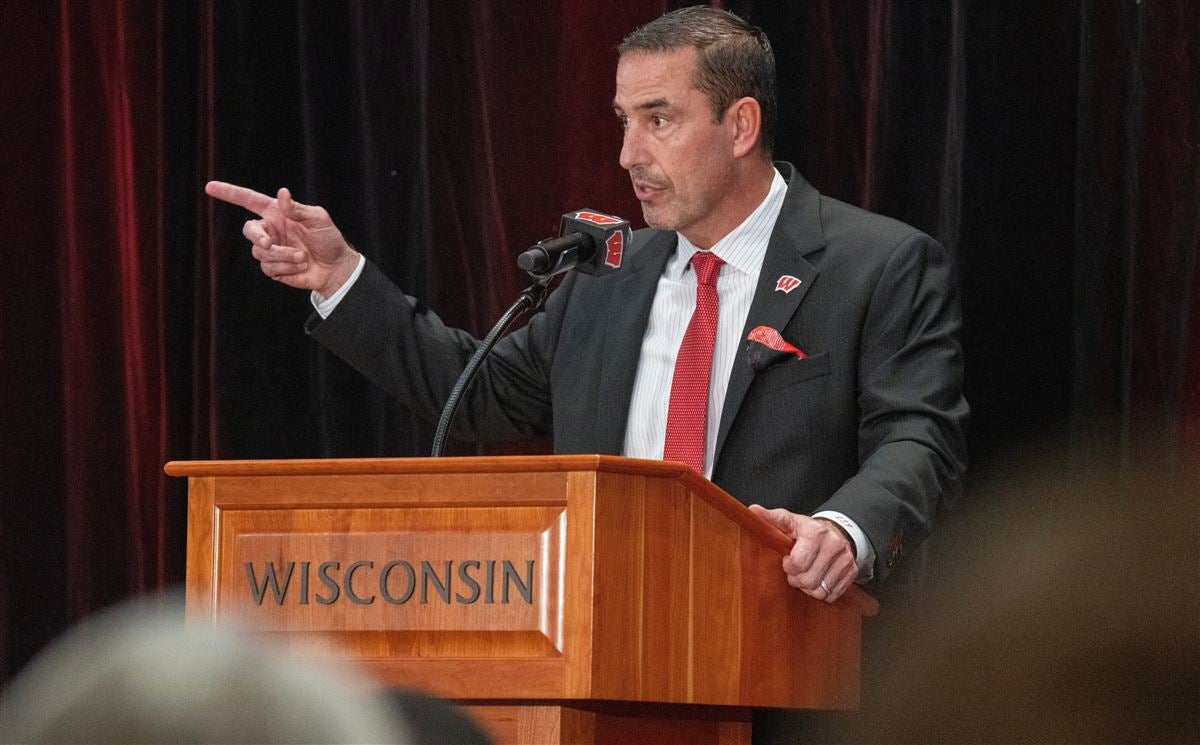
[
  {"x": 110, "y": 304},
  {"x": 1138, "y": 227}
]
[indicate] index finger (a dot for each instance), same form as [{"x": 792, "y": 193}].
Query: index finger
[{"x": 239, "y": 195}]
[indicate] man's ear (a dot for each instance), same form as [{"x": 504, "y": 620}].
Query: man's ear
[{"x": 745, "y": 115}]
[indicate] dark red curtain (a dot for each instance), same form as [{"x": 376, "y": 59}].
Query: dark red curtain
[
  {"x": 1054, "y": 151},
  {"x": 87, "y": 401}
]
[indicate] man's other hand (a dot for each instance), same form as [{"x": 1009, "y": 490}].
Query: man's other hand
[
  {"x": 822, "y": 561},
  {"x": 296, "y": 244}
]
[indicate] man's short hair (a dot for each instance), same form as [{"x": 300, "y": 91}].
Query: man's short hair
[{"x": 733, "y": 58}]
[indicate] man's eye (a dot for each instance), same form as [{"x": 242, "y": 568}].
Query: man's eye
[
  {"x": 624, "y": 120},
  {"x": 659, "y": 121}
]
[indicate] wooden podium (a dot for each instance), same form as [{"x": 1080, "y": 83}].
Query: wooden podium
[{"x": 560, "y": 598}]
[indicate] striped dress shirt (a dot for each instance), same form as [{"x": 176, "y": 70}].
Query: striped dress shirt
[{"x": 743, "y": 250}]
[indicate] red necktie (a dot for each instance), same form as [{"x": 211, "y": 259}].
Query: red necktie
[{"x": 687, "y": 415}]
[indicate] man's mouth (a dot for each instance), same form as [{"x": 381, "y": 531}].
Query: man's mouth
[{"x": 644, "y": 190}]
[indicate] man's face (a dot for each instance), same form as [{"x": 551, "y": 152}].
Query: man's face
[{"x": 679, "y": 160}]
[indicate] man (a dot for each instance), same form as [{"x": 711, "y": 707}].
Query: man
[{"x": 839, "y": 420}]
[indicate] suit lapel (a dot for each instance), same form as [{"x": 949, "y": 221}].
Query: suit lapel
[
  {"x": 625, "y": 320},
  {"x": 797, "y": 234}
]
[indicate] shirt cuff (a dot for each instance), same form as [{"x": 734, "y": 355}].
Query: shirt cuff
[
  {"x": 864, "y": 552},
  {"x": 324, "y": 306}
]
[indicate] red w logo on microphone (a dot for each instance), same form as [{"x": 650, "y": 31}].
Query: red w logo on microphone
[
  {"x": 596, "y": 218},
  {"x": 616, "y": 248}
]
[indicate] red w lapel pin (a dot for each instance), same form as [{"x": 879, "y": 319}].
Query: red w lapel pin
[
  {"x": 786, "y": 283},
  {"x": 771, "y": 339}
]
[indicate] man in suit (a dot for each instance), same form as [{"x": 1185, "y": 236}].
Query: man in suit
[{"x": 841, "y": 424}]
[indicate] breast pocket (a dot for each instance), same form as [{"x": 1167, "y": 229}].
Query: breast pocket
[{"x": 791, "y": 372}]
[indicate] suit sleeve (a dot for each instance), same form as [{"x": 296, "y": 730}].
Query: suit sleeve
[
  {"x": 402, "y": 346},
  {"x": 912, "y": 449}
]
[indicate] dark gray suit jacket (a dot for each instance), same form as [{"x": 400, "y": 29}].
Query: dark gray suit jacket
[{"x": 870, "y": 424}]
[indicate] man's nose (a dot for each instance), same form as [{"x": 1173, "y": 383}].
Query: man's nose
[{"x": 633, "y": 152}]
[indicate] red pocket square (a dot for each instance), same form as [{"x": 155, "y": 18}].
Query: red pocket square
[{"x": 771, "y": 339}]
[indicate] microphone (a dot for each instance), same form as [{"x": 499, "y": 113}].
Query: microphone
[{"x": 590, "y": 241}]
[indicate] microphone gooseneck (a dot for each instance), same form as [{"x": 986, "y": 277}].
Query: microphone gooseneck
[{"x": 530, "y": 299}]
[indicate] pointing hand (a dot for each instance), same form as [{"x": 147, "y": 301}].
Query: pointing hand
[{"x": 296, "y": 244}]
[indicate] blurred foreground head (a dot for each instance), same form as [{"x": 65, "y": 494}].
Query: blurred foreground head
[
  {"x": 133, "y": 677},
  {"x": 1070, "y": 614}
]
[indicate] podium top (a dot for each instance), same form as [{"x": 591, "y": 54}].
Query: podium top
[{"x": 481, "y": 464}]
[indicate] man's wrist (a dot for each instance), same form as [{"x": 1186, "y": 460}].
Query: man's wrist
[
  {"x": 860, "y": 544},
  {"x": 341, "y": 272},
  {"x": 326, "y": 305}
]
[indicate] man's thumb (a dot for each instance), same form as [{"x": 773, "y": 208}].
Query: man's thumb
[
  {"x": 290, "y": 208},
  {"x": 780, "y": 518}
]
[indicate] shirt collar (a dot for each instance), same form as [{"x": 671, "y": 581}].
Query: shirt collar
[{"x": 745, "y": 246}]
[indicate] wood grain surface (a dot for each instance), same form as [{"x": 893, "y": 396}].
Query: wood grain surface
[{"x": 530, "y": 587}]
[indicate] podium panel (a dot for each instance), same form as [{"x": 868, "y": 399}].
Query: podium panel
[{"x": 533, "y": 587}]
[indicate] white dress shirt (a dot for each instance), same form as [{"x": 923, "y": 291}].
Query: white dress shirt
[{"x": 743, "y": 251}]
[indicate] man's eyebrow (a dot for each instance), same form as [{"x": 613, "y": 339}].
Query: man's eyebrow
[{"x": 654, "y": 103}]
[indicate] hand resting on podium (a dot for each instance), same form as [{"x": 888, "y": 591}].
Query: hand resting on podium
[{"x": 822, "y": 560}]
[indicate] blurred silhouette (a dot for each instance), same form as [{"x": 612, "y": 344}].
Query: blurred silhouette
[
  {"x": 1071, "y": 615},
  {"x": 134, "y": 676}
]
